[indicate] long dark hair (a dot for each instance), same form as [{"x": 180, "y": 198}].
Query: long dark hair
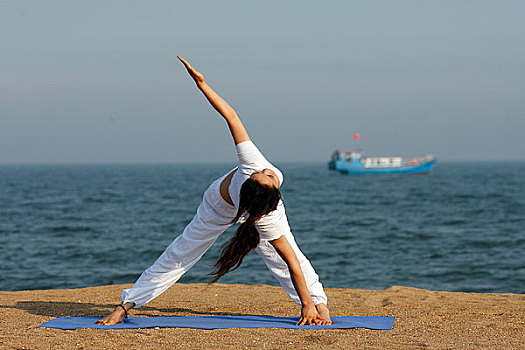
[{"x": 256, "y": 200}]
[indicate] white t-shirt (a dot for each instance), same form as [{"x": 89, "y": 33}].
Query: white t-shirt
[{"x": 275, "y": 224}]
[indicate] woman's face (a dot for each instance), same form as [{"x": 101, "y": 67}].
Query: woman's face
[{"x": 266, "y": 177}]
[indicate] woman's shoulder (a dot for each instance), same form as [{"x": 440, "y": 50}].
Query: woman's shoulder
[
  {"x": 274, "y": 224},
  {"x": 249, "y": 156},
  {"x": 274, "y": 217}
]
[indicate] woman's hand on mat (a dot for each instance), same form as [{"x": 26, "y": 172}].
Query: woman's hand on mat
[
  {"x": 198, "y": 77},
  {"x": 309, "y": 316}
]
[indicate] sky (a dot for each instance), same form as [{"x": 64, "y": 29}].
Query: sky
[{"x": 99, "y": 82}]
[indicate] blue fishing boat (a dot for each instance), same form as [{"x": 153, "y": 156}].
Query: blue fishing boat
[{"x": 354, "y": 162}]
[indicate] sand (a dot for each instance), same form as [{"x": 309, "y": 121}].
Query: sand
[{"x": 424, "y": 319}]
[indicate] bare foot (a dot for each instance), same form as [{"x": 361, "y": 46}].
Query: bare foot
[
  {"x": 324, "y": 313},
  {"x": 116, "y": 316}
]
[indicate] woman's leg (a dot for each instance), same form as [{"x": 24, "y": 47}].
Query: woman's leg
[
  {"x": 212, "y": 219},
  {"x": 279, "y": 269}
]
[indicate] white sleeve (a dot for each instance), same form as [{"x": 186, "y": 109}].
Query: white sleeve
[
  {"x": 250, "y": 157},
  {"x": 273, "y": 225}
]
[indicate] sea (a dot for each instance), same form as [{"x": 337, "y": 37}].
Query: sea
[{"x": 461, "y": 228}]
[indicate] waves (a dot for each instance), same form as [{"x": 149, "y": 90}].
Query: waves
[
  {"x": 461, "y": 228},
  {"x": 70, "y": 228}
]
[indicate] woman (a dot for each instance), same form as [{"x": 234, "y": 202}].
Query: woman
[{"x": 248, "y": 194}]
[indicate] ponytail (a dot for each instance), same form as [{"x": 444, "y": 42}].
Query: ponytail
[{"x": 256, "y": 200}]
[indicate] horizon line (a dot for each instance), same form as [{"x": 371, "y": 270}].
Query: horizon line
[{"x": 511, "y": 160}]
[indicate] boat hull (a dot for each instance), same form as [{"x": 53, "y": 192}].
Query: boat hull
[{"x": 347, "y": 168}]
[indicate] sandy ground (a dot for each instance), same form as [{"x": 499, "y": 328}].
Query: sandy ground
[{"x": 424, "y": 319}]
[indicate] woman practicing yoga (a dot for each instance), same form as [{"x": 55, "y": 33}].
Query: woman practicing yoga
[{"x": 248, "y": 194}]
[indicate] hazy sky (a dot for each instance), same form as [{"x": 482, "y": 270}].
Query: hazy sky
[{"x": 98, "y": 81}]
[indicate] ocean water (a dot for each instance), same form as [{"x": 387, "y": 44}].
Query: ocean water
[{"x": 461, "y": 228}]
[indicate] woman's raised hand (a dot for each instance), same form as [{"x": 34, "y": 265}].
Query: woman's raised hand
[
  {"x": 234, "y": 123},
  {"x": 198, "y": 77}
]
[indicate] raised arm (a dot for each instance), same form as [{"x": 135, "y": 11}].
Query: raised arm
[
  {"x": 309, "y": 314},
  {"x": 235, "y": 125}
]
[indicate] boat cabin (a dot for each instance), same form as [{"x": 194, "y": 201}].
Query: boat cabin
[
  {"x": 382, "y": 162},
  {"x": 348, "y": 155}
]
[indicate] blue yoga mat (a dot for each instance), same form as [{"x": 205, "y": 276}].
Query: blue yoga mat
[{"x": 220, "y": 322}]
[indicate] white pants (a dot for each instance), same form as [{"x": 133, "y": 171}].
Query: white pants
[{"x": 213, "y": 217}]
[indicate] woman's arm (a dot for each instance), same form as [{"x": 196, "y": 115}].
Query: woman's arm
[
  {"x": 237, "y": 130},
  {"x": 309, "y": 314}
]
